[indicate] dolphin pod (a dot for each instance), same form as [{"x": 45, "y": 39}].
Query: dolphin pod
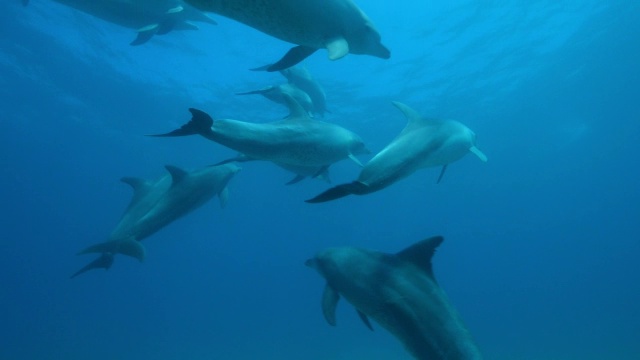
[
  {"x": 156, "y": 204},
  {"x": 147, "y": 17},
  {"x": 296, "y": 142},
  {"x": 336, "y": 25},
  {"x": 423, "y": 143},
  {"x": 400, "y": 292}
]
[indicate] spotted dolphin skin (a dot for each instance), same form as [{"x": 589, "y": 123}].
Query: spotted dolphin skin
[
  {"x": 296, "y": 141},
  {"x": 147, "y": 17},
  {"x": 423, "y": 143},
  {"x": 399, "y": 292},
  {"x": 336, "y": 25},
  {"x": 155, "y": 204}
]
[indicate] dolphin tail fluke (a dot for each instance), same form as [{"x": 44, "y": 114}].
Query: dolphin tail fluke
[
  {"x": 130, "y": 247},
  {"x": 339, "y": 191},
  {"x": 103, "y": 262},
  {"x": 295, "y": 55},
  {"x": 200, "y": 124}
]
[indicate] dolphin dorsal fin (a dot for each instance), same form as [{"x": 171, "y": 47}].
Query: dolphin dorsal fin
[
  {"x": 420, "y": 254},
  {"x": 136, "y": 183},
  {"x": 414, "y": 119},
  {"x": 296, "y": 111},
  {"x": 177, "y": 174}
]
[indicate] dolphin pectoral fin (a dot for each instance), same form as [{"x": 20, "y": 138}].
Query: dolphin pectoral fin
[
  {"x": 339, "y": 191},
  {"x": 321, "y": 171},
  {"x": 444, "y": 168},
  {"x": 296, "y": 179},
  {"x": 355, "y": 160},
  {"x": 129, "y": 247},
  {"x": 330, "y": 299},
  {"x": 254, "y": 92},
  {"x": 292, "y": 57},
  {"x": 145, "y": 34},
  {"x": 103, "y": 262},
  {"x": 478, "y": 153},
  {"x": 337, "y": 48},
  {"x": 223, "y": 195},
  {"x": 365, "y": 319},
  {"x": 200, "y": 124}
]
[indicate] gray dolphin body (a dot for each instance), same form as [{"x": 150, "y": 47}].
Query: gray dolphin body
[
  {"x": 296, "y": 141},
  {"x": 400, "y": 292},
  {"x": 337, "y": 25},
  {"x": 300, "y": 77},
  {"x": 423, "y": 143},
  {"x": 158, "y": 203},
  {"x": 148, "y": 17},
  {"x": 276, "y": 93}
]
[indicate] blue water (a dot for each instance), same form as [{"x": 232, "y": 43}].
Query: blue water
[{"x": 542, "y": 241}]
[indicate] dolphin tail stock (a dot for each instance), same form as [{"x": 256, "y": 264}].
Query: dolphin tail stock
[
  {"x": 130, "y": 247},
  {"x": 339, "y": 191},
  {"x": 294, "y": 56},
  {"x": 103, "y": 262},
  {"x": 200, "y": 124}
]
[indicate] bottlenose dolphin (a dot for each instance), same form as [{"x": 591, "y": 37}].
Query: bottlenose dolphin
[
  {"x": 148, "y": 17},
  {"x": 300, "y": 77},
  {"x": 296, "y": 140},
  {"x": 337, "y": 25},
  {"x": 158, "y": 203},
  {"x": 423, "y": 143},
  {"x": 400, "y": 292},
  {"x": 276, "y": 93}
]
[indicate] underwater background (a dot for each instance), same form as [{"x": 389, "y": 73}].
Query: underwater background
[{"x": 541, "y": 242}]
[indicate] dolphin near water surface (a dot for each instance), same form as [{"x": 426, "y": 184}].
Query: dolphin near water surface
[
  {"x": 423, "y": 143},
  {"x": 156, "y": 204},
  {"x": 147, "y": 17},
  {"x": 339, "y": 26},
  {"x": 400, "y": 292}
]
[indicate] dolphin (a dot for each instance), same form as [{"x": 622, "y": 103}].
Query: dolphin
[
  {"x": 300, "y": 77},
  {"x": 423, "y": 143},
  {"x": 302, "y": 172},
  {"x": 156, "y": 204},
  {"x": 400, "y": 292},
  {"x": 148, "y": 17},
  {"x": 296, "y": 141},
  {"x": 275, "y": 94},
  {"x": 336, "y": 25}
]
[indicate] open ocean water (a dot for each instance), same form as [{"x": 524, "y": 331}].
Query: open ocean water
[{"x": 542, "y": 242}]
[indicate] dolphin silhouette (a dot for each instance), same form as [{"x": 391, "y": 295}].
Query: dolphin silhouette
[
  {"x": 276, "y": 93},
  {"x": 400, "y": 292},
  {"x": 148, "y": 17},
  {"x": 296, "y": 141},
  {"x": 155, "y": 204},
  {"x": 423, "y": 143},
  {"x": 336, "y": 25}
]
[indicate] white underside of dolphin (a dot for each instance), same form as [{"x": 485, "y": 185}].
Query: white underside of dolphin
[
  {"x": 399, "y": 292},
  {"x": 423, "y": 143},
  {"x": 158, "y": 203},
  {"x": 336, "y": 25}
]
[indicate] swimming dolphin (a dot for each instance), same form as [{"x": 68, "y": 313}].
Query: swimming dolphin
[
  {"x": 156, "y": 204},
  {"x": 300, "y": 77},
  {"x": 400, "y": 292},
  {"x": 302, "y": 172},
  {"x": 337, "y": 25},
  {"x": 148, "y": 17},
  {"x": 296, "y": 140},
  {"x": 275, "y": 94},
  {"x": 423, "y": 143}
]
